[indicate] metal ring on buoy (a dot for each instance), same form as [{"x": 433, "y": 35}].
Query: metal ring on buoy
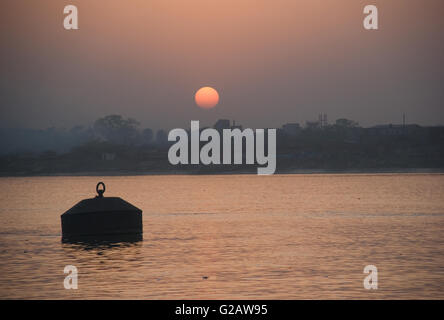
[{"x": 100, "y": 192}]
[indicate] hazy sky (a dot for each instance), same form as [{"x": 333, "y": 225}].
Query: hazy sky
[{"x": 272, "y": 61}]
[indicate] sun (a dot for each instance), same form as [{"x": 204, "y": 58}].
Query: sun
[{"x": 206, "y": 97}]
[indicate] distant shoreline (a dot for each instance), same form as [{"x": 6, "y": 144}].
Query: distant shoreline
[{"x": 120, "y": 173}]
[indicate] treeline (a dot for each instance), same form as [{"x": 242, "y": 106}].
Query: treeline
[
  {"x": 114, "y": 129},
  {"x": 115, "y": 145}
]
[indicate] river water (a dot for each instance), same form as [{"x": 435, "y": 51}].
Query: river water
[{"x": 232, "y": 237}]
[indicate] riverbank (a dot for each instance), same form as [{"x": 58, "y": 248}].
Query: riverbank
[{"x": 118, "y": 173}]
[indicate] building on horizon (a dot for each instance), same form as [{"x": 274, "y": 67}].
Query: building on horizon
[
  {"x": 395, "y": 129},
  {"x": 222, "y": 124}
]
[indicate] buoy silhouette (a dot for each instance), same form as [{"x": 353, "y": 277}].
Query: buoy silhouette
[{"x": 101, "y": 218}]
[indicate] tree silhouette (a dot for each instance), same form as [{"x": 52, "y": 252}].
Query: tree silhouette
[
  {"x": 346, "y": 123},
  {"x": 147, "y": 135},
  {"x": 116, "y": 129}
]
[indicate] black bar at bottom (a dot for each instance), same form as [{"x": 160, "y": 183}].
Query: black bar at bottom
[{"x": 223, "y": 309}]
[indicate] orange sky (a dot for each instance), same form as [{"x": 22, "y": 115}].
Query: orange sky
[{"x": 271, "y": 61}]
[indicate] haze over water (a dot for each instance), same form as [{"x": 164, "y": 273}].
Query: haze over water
[{"x": 232, "y": 237}]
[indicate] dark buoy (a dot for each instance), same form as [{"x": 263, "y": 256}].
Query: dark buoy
[{"x": 102, "y": 218}]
